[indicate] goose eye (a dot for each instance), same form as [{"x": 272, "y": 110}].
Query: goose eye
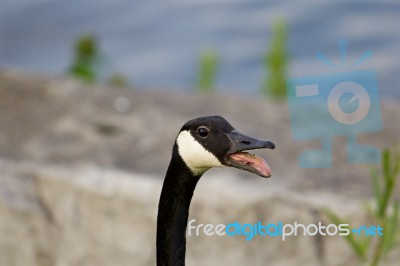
[{"x": 203, "y": 132}]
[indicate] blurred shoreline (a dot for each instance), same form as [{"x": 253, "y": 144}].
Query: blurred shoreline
[{"x": 60, "y": 121}]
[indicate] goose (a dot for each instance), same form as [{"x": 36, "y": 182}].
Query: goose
[{"x": 201, "y": 144}]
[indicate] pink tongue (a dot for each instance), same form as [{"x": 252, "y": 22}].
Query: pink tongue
[{"x": 254, "y": 161}]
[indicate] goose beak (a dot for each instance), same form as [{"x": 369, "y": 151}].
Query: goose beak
[{"x": 238, "y": 158}]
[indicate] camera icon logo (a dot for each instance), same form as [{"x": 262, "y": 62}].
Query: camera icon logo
[
  {"x": 359, "y": 93},
  {"x": 338, "y": 104}
]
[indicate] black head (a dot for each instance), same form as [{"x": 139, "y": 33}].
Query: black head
[{"x": 211, "y": 141}]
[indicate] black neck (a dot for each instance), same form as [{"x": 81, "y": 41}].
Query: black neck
[{"x": 173, "y": 211}]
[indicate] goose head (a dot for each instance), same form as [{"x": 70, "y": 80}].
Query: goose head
[{"x": 207, "y": 142}]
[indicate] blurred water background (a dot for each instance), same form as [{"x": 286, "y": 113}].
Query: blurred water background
[{"x": 156, "y": 44}]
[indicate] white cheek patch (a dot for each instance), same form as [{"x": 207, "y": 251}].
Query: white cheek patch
[{"x": 195, "y": 156}]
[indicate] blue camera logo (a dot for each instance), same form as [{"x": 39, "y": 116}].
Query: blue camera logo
[{"x": 338, "y": 104}]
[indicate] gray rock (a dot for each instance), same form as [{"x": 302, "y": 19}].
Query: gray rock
[{"x": 95, "y": 216}]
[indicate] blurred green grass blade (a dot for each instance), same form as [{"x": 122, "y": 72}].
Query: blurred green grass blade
[
  {"x": 383, "y": 185},
  {"x": 86, "y": 59},
  {"x": 360, "y": 247},
  {"x": 208, "y": 67},
  {"x": 376, "y": 185},
  {"x": 389, "y": 179},
  {"x": 391, "y": 234},
  {"x": 396, "y": 168},
  {"x": 386, "y": 162},
  {"x": 276, "y": 61}
]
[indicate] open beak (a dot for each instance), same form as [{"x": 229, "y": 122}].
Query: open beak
[{"x": 238, "y": 158}]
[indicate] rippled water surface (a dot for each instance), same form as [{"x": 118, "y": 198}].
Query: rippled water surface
[{"x": 157, "y": 43}]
